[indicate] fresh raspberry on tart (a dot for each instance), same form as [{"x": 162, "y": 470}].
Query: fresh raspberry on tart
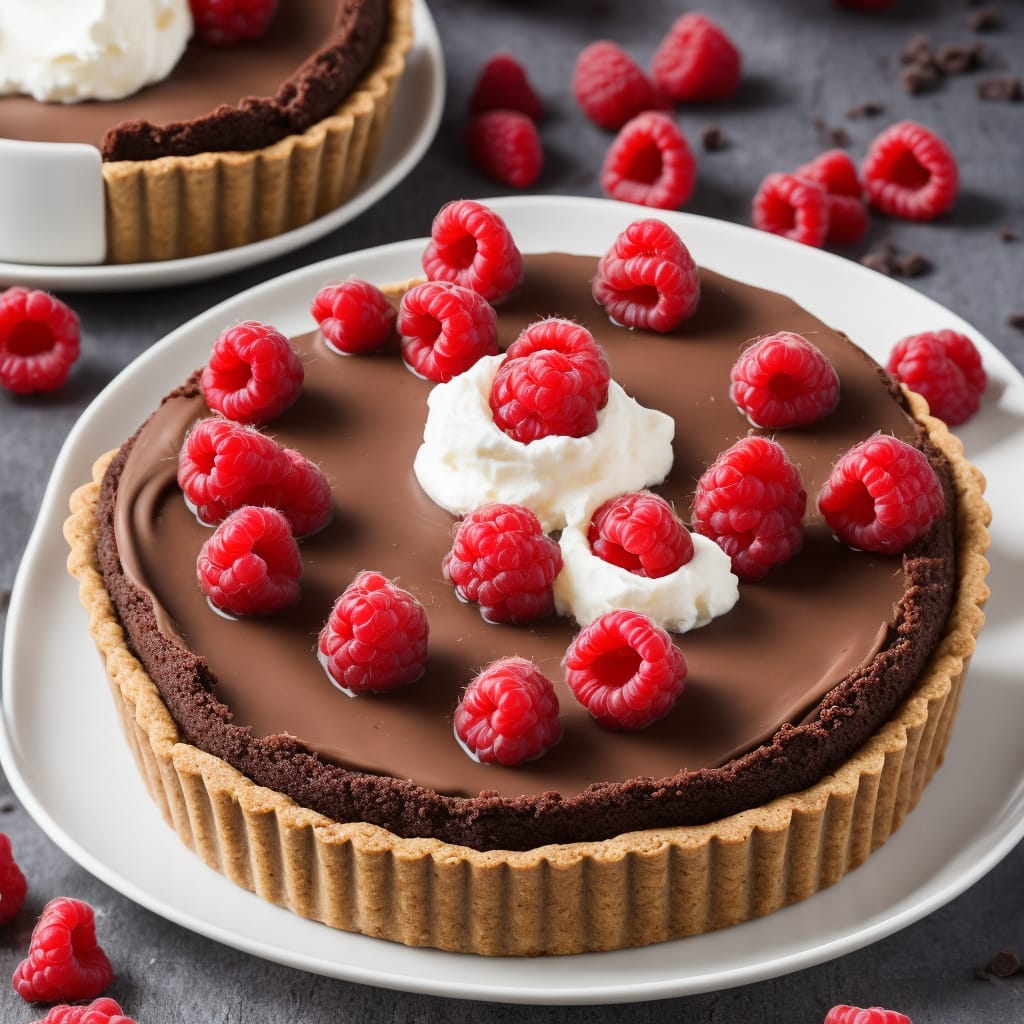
[
  {"x": 64, "y": 962},
  {"x": 444, "y": 329},
  {"x": 750, "y": 502},
  {"x": 253, "y": 373},
  {"x": 39, "y": 341},
  {"x": 944, "y": 367},
  {"x": 647, "y": 279},
  {"x": 641, "y": 533},
  {"x": 471, "y": 246},
  {"x": 506, "y": 146},
  {"x": 793, "y": 207},
  {"x": 13, "y": 886},
  {"x": 503, "y": 84},
  {"x": 610, "y": 87},
  {"x": 375, "y": 638},
  {"x": 231, "y": 22},
  {"x": 508, "y": 714},
  {"x": 783, "y": 380},
  {"x": 697, "y": 61},
  {"x": 251, "y": 564},
  {"x": 910, "y": 172},
  {"x": 100, "y": 1011},
  {"x": 882, "y": 495},
  {"x": 649, "y": 163},
  {"x": 502, "y": 560},
  {"x": 354, "y": 316},
  {"x": 625, "y": 670}
]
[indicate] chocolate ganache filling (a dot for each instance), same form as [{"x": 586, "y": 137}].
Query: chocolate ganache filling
[
  {"x": 780, "y": 690},
  {"x": 223, "y": 98}
]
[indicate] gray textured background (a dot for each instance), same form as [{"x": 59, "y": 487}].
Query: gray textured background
[{"x": 807, "y": 63}]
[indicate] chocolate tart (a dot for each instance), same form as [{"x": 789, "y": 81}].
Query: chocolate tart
[
  {"x": 181, "y": 179},
  {"x": 427, "y": 848}
]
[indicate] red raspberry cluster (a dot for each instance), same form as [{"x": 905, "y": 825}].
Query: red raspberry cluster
[
  {"x": 552, "y": 382},
  {"x": 647, "y": 279},
  {"x": 99, "y": 1011}
]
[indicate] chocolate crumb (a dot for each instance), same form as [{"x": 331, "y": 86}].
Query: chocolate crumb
[
  {"x": 888, "y": 259},
  {"x": 920, "y": 77},
  {"x": 839, "y": 137},
  {"x": 914, "y": 264},
  {"x": 1007, "y": 234},
  {"x": 1002, "y": 87},
  {"x": 918, "y": 50},
  {"x": 7, "y": 806},
  {"x": 869, "y": 109},
  {"x": 5, "y": 599},
  {"x": 1016, "y": 321},
  {"x": 957, "y": 60},
  {"x": 880, "y": 260},
  {"x": 1003, "y": 965},
  {"x": 713, "y": 139},
  {"x": 988, "y": 19}
]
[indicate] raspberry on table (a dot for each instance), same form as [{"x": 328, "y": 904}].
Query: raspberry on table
[
  {"x": 444, "y": 329},
  {"x": 553, "y": 381},
  {"x": 471, "y": 246},
  {"x": 64, "y": 962},
  {"x": 503, "y": 84},
  {"x": 910, "y": 172},
  {"x": 945, "y": 368},
  {"x": 793, "y": 207},
  {"x": 836, "y": 173},
  {"x": 502, "y": 560},
  {"x": 610, "y": 87},
  {"x": 697, "y": 61},
  {"x": 625, "y": 670},
  {"x": 783, "y": 380},
  {"x": 506, "y": 146},
  {"x": 649, "y": 163},
  {"x": 100, "y": 1011},
  {"x": 375, "y": 638},
  {"x": 253, "y": 374},
  {"x": 13, "y": 886},
  {"x": 872, "y": 1015},
  {"x": 641, "y": 533},
  {"x": 230, "y": 22},
  {"x": 882, "y": 495},
  {"x": 224, "y": 465},
  {"x": 751, "y": 503},
  {"x": 251, "y": 564},
  {"x": 354, "y": 316},
  {"x": 39, "y": 340},
  {"x": 508, "y": 714},
  {"x": 647, "y": 279}
]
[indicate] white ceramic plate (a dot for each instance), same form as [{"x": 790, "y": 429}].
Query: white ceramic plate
[
  {"x": 54, "y": 699},
  {"x": 414, "y": 120}
]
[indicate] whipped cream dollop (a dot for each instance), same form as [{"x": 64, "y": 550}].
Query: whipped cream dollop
[
  {"x": 588, "y": 587},
  {"x": 466, "y": 461},
  {"x": 64, "y": 52}
]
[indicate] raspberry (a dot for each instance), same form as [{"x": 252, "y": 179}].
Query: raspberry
[
  {"x": 64, "y": 961},
  {"x": 99, "y": 1011},
  {"x": 503, "y": 85},
  {"x": 553, "y": 381},
  {"x": 471, "y": 246},
  {"x": 751, "y": 503},
  {"x": 505, "y": 145},
  {"x": 253, "y": 374},
  {"x": 648, "y": 279},
  {"x": 502, "y": 560},
  {"x": 649, "y": 163},
  {"x": 625, "y": 670},
  {"x": 882, "y": 495},
  {"x": 872, "y": 1015},
  {"x": 945, "y": 368},
  {"x": 354, "y": 316},
  {"x": 223, "y": 466},
  {"x": 39, "y": 340},
  {"x": 610, "y": 86},
  {"x": 251, "y": 565},
  {"x": 13, "y": 886},
  {"x": 508, "y": 714},
  {"x": 782, "y": 380},
  {"x": 836, "y": 173},
  {"x": 639, "y": 532},
  {"x": 445, "y": 329},
  {"x": 696, "y": 61},
  {"x": 230, "y": 22},
  {"x": 794, "y": 207},
  {"x": 910, "y": 172},
  {"x": 375, "y": 638}
]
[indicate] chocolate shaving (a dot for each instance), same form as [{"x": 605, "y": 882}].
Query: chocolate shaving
[
  {"x": 1007, "y": 234},
  {"x": 988, "y": 19},
  {"x": 957, "y": 60},
  {"x": 869, "y": 109},
  {"x": 1016, "y": 320},
  {"x": 1004, "y": 964},
  {"x": 713, "y": 139},
  {"x": 1006, "y": 88},
  {"x": 888, "y": 259},
  {"x": 921, "y": 77}
]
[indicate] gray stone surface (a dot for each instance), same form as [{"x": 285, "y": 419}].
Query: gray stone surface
[{"x": 807, "y": 64}]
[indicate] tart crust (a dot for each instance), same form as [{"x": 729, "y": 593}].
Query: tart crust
[
  {"x": 632, "y": 890},
  {"x": 180, "y": 206}
]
